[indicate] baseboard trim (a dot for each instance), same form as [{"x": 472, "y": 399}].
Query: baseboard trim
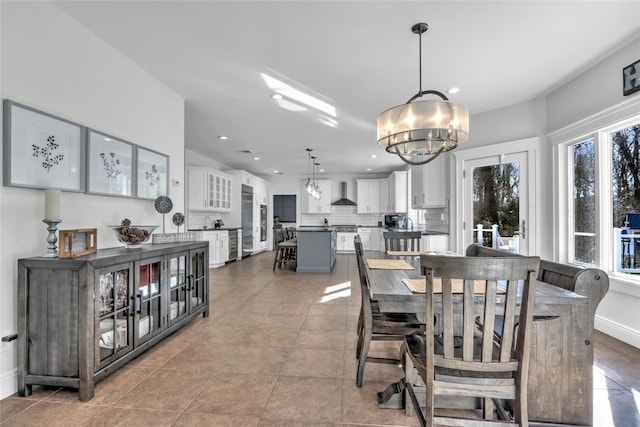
[
  {"x": 618, "y": 331},
  {"x": 8, "y": 383}
]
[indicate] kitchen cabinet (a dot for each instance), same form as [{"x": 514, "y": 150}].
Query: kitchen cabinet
[
  {"x": 209, "y": 190},
  {"x": 398, "y": 192},
  {"x": 313, "y": 206},
  {"x": 81, "y": 319},
  {"x": 434, "y": 242},
  {"x": 429, "y": 184},
  {"x": 368, "y": 196},
  {"x": 218, "y": 246},
  {"x": 384, "y": 199},
  {"x": 345, "y": 242},
  {"x": 367, "y": 236}
]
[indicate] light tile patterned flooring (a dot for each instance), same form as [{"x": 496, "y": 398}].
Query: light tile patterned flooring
[{"x": 277, "y": 350}]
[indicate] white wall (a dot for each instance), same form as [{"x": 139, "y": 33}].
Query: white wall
[
  {"x": 52, "y": 63},
  {"x": 596, "y": 90}
]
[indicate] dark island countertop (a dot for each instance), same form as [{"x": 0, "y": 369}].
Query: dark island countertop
[
  {"x": 214, "y": 229},
  {"x": 304, "y": 229}
]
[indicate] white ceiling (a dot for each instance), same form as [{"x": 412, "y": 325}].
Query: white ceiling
[{"x": 359, "y": 56}]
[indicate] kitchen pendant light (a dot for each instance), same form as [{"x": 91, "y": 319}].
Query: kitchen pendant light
[
  {"x": 419, "y": 131},
  {"x": 311, "y": 186}
]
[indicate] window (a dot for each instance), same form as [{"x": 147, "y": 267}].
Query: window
[
  {"x": 284, "y": 207},
  {"x": 604, "y": 177}
]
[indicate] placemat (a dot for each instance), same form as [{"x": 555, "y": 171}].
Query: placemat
[
  {"x": 389, "y": 264},
  {"x": 419, "y": 286},
  {"x": 403, "y": 253}
]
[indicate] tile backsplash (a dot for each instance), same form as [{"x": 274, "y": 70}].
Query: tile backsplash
[{"x": 434, "y": 219}]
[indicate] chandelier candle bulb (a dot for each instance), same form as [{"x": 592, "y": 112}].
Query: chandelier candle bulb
[{"x": 52, "y": 204}]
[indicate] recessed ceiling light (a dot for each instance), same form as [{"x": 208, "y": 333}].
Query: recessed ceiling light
[
  {"x": 223, "y": 137},
  {"x": 453, "y": 90},
  {"x": 321, "y": 170},
  {"x": 276, "y": 171},
  {"x": 373, "y": 156},
  {"x": 368, "y": 169},
  {"x": 276, "y": 96},
  {"x": 256, "y": 158},
  {"x": 107, "y": 139}
]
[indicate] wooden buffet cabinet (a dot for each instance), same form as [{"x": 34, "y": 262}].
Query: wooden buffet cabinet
[{"x": 81, "y": 319}]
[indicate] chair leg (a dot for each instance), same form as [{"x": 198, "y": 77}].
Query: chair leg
[
  {"x": 275, "y": 261},
  {"x": 363, "y": 350}
]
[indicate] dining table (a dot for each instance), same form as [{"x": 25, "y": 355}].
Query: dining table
[{"x": 561, "y": 357}]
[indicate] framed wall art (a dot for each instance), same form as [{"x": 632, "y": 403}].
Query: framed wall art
[
  {"x": 152, "y": 174},
  {"x": 110, "y": 162},
  {"x": 41, "y": 150}
]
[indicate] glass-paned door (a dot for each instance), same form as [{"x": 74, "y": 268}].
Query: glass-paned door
[
  {"x": 178, "y": 286},
  {"x": 199, "y": 272},
  {"x": 148, "y": 299},
  {"x": 496, "y": 202},
  {"x": 211, "y": 191},
  {"x": 114, "y": 325}
]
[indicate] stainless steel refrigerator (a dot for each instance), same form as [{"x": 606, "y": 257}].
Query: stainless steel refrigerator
[{"x": 247, "y": 220}]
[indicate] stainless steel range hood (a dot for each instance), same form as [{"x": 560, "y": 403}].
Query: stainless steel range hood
[{"x": 343, "y": 200}]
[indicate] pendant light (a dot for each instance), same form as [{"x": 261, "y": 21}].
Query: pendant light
[{"x": 419, "y": 131}]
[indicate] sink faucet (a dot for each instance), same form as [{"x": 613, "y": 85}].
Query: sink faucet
[
  {"x": 406, "y": 223},
  {"x": 206, "y": 218}
]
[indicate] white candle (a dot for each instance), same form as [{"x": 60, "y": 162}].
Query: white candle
[{"x": 52, "y": 204}]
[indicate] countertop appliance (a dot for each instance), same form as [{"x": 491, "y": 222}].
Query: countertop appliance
[
  {"x": 247, "y": 220},
  {"x": 392, "y": 221}
]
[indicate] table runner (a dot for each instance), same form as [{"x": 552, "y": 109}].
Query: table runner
[
  {"x": 389, "y": 264},
  {"x": 419, "y": 286}
]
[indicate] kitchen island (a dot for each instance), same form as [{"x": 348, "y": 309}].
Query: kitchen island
[{"x": 316, "y": 252}]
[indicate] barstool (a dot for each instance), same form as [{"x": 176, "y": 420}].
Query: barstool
[{"x": 286, "y": 251}]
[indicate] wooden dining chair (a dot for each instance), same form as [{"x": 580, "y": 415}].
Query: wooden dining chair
[
  {"x": 470, "y": 363},
  {"x": 402, "y": 240},
  {"x": 376, "y": 326}
]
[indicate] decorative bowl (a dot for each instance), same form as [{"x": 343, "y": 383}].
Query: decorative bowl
[{"x": 133, "y": 236}]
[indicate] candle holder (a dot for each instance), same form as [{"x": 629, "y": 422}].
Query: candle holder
[{"x": 52, "y": 239}]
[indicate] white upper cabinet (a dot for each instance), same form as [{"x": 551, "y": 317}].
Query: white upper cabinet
[
  {"x": 398, "y": 192},
  {"x": 209, "y": 190},
  {"x": 385, "y": 193},
  {"x": 368, "y": 197},
  {"x": 429, "y": 184},
  {"x": 313, "y": 206}
]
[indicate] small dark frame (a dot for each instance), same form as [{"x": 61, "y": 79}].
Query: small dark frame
[{"x": 631, "y": 78}]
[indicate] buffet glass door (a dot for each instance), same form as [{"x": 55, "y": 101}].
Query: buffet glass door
[
  {"x": 148, "y": 299},
  {"x": 113, "y": 331},
  {"x": 199, "y": 271},
  {"x": 178, "y": 286}
]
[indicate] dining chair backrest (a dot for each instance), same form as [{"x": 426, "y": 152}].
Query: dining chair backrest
[
  {"x": 278, "y": 233},
  {"x": 508, "y": 285},
  {"x": 402, "y": 240}
]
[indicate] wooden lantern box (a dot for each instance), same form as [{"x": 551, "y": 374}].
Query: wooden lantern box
[{"x": 75, "y": 243}]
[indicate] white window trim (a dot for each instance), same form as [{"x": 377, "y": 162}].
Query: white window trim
[{"x": 598, "y": 126}]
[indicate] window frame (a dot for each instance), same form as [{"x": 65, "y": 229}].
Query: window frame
[{"x": 599, "y": 127}]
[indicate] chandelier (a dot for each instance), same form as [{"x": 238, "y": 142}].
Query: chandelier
[
  {"x": 312, "y": 185},
  {"x": 420, "y": 131}
]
